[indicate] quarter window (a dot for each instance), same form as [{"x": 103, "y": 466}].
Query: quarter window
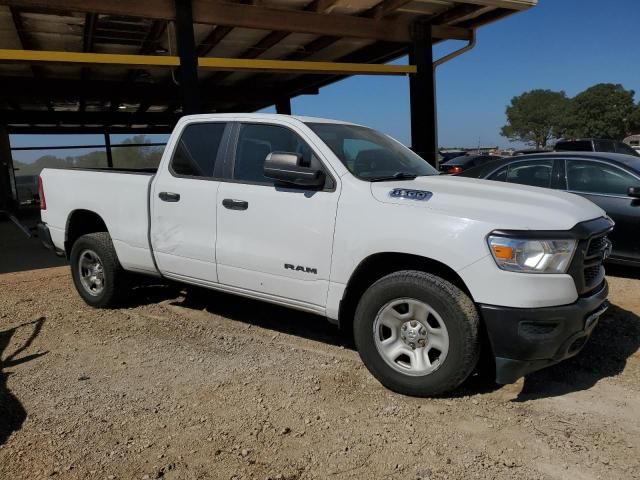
[
  {"x": 536, "y": 173},
  {"x": 500, "y": 175},
  {"x": 256, "y": 141},
  {"x": 197, "y": 149},
  {"x": 595, "y": 177}
]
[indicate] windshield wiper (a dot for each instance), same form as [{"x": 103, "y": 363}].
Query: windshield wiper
[{"x": 395, "y": 176}]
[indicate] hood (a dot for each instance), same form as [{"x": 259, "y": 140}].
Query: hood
[{"x": 504, "y": 205}]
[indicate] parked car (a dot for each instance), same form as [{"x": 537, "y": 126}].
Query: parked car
[
  {"x": 446, "y": 155},
  {"x": 457, "y": 165},
  {"x": 345, "y": 222},
  {"x": 595, "y": 145},
  {"x": 610, "y": 180}
]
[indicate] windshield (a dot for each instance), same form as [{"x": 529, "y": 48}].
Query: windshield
[{"x": 370, "y": 155}]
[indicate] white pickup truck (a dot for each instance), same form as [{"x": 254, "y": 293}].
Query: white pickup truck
[{"x": 342, "y": 221}]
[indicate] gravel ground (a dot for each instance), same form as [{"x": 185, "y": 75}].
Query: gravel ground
[{"x": 193, "y": 384}]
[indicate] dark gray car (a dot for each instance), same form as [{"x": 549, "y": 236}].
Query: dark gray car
[{"x": 610, "y": 180}]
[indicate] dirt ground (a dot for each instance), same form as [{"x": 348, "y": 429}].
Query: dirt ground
[{"x": 196, "y": 384}]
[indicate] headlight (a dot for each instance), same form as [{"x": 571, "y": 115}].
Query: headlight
[{"x": 532, "y": 256}]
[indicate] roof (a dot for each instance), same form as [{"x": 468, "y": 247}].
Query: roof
[
  {"x": 262, "y": 116},
  {"x": 54, "y": 94}
]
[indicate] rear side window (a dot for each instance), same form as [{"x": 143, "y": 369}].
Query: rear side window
[
  {"x": 595, "y": 177},
  {"x": 536, "y": 173},
  {"x": 605, "y": 146},
  {"x": 574, "y": 146},
  {"x": 625, "y": 149},
  {"x": 197, "y": 149}
]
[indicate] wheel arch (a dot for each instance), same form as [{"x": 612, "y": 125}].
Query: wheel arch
[
  {"x": 378, "y": 265},
  {"x": 81, "y": 222}
]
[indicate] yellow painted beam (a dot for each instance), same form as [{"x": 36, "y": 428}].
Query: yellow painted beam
[
  {"x": 294, "y": 66},
  {"x": 31, "y": 56},
  {"x": 207, "y": 63}
]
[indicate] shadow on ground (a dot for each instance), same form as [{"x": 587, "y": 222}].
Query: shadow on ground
[
  {"x": 614, "y": 340},
  {"x": 19, "y": 252},
  {"x": 623, "y": 271},
  {"x": 12, "y": 413},
  {"x": 265, "y": 315},
  {"x": 300, "y": 324}
]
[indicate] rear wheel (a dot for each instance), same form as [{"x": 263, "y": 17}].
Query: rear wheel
[
  {"x": 417, "y": 333},
  {"x": 96, "y": 271}
]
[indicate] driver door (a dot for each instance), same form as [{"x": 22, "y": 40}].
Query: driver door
[{"x": 274, "y": 240}]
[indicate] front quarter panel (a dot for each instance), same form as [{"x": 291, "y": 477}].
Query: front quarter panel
[{"x": 366, "y": 226}]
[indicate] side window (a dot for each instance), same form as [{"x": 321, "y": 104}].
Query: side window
[
  {"x": 605, "y": 146},
  {"x": 256, "y": 141},
  {"x": 197, "y": 149},
  {"x": 595, "y": 177},
  {"x": 536, "y": 173},
  {"x": 626, "y": 149},
  {"x": 500, "y": 175}
]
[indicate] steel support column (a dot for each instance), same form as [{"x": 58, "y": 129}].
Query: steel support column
[
  {"x": 188, "y": 71},
  {"x": 422, "y": 93},
  {"x": 6, "y": 171},
  {"x": 283, "y": 106}
]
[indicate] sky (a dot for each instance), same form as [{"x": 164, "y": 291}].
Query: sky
[{"x": 565, "y": 45}]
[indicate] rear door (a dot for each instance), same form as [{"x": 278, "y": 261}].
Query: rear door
[
  {"x": 275, "y": 240},
  {"x": 606, "y": 185},
  {"x": 183, "y": 203}
]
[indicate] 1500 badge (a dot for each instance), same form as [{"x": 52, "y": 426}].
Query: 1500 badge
[
  {"x": 300, "y": 268},
  {"x": 420, "y": 195}
]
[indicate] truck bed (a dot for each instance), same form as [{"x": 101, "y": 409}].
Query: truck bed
[{"x": 119, "y": 197}]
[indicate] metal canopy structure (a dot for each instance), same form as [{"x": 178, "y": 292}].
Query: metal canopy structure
[{"x": 82, "y": 65}]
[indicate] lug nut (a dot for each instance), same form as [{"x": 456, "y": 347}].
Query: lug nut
[
  {"x": 412, "y": 345},
  {"x": 404, "y": 327},
  {"x": 414, "y": 323},
  {"x": 423, "y": 331}
]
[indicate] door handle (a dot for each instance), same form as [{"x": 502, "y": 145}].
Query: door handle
[
  {"x": 235, "y": 204},
  {"x": 169, "y": 196}
]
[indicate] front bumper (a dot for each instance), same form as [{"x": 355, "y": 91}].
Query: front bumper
[{"x": 528, "y": 339}]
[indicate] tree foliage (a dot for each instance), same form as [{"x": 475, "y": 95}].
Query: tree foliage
[
  {"x": 536, "y": 117},
  {"x": 603, "y": 111}
]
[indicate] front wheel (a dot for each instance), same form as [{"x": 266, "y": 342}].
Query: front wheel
[
  {"x": 417, "y": 333},
  {"x": 96, "y": 271}
]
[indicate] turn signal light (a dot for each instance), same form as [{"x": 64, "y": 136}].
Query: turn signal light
[{"x": 503, "y": 252}]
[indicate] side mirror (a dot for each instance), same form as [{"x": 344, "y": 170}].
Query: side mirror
[
  {"x": 286, "y": 168},
  {"x": 634, "y": 192}
]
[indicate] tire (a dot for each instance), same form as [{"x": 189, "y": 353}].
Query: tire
[
  {"x": 438, "y": 349},
  {"x": 111, "y": 275}
]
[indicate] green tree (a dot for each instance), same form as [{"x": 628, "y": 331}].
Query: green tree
[
  {"x": 536, "y": 117},
  {"x": 605, "y": 110},
  {"x": 634, "y": 121}
]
